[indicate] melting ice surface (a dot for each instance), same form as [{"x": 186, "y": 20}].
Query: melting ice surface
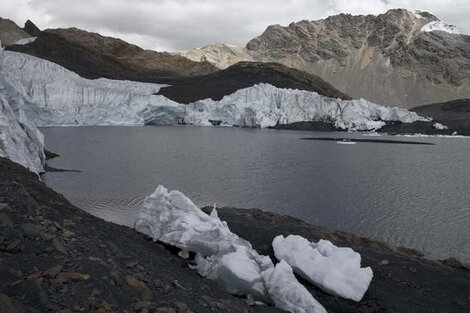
[{"x": 222, "y": 256}]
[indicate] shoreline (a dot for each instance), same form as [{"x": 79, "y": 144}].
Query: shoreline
[
  {"x": 55, "y": 256},
  {"x": 289, "y": 127}
]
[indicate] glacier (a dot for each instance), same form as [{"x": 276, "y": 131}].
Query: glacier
[
  {"x": 222, "y": 256},
  {"x": 334, "y": 270},
  {"x": 20, "y": 140},
  {"x": 59, "y": 97}
]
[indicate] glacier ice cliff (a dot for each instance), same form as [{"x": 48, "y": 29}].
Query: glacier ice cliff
[
  {"x": 20, "y": 140},
  {"x": 58, "y": 97}
]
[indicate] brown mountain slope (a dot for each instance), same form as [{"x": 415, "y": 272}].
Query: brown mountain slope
[
  {"x": 386, "y": 59},
  {"x": 92, "y": 55}
]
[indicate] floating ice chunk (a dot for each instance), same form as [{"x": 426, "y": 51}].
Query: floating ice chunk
[
  {"x": 335, "y": 270},
  {"x": 439, "y": 126},
  {"x": 288, "y": 294}
]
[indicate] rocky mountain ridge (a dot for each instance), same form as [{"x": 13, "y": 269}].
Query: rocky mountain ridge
[
  {"x": 399, "y": 58},
  {"x": 10, "y": 33},
  {"x": 92, "y": 55}
]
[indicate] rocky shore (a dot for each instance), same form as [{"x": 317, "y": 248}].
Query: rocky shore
[{"x": 57, "y": 258}]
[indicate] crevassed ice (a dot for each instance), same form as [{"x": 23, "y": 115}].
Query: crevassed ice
[
  {"x": 221, "y": 255},
  {"x": 334, "y": 270},
  {"x": 58, "y": 97},
  {"x": 20, "y": 140}
]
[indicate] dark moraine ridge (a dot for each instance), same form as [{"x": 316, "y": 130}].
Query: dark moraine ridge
[
  {"x": 454, "y": 114},
  {"x": 91, "y": 55},
  {"x": 242, "y": 75},
  {"x": 55, "y": 256}
]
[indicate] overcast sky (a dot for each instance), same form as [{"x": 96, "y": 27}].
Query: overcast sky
[{"x": 182, "y": 24}]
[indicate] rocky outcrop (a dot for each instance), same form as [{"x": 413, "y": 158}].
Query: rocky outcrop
[
  {"x": 242, "y": 75},
  {"x": 219, "y": 54},
  {"x": 31, "y": 28},
  {"x": 93, "y": 56},
  {"x": 386, "y": 59},
  {"x": 10, "y": 32}
]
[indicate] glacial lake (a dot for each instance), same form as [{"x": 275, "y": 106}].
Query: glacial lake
[{"x": 416, "y": 196}]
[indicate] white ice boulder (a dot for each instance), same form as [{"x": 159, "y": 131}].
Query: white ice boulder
[
  {"x": 239, "y": 271},
  {"x": 222, "y": 256},
  {"x": 287, "y": 293},
  {"x": 172, "y": 218},
  {"x": 333, "y": 269}
]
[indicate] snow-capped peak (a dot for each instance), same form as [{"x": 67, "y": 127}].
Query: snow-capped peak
[{"x": 441, "y": 26}]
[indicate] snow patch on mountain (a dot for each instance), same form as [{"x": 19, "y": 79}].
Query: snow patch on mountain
[
  {"x": 25, "y": 41},
  {"x": 441, "y": 26},
  {"x": 20, "y": 140}
]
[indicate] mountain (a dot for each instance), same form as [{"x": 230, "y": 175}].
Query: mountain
[
  {"x": 219, "y": 54},
  {"x": 399, "y": 58},
  {"x": 10, "y": 33},
  {"x": 93, "y": 56},
  {"x": 242, "y": 75}
]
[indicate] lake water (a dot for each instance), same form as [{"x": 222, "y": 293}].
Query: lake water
[{"x": 412, "y": 195}]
